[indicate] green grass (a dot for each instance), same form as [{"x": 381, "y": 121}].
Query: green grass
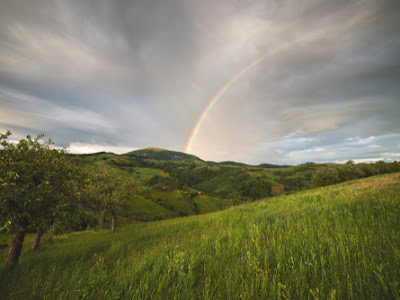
[
  {"x": 339, "y": 242},
  {"x": 207, "y": 204},
  {"x": 144, "y": 209},
  {"x": 174, "y": 199}
]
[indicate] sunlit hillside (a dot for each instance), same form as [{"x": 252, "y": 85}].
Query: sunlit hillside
[
  {"x": 336, "y": 242},
  {"x": 175, "y": 184}
]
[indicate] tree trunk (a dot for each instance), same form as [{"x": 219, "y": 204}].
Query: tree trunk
[
  {"x": 38, "y": 236},
  {"x": 16, "y": 246},
  {"x": 102, "y": 221},
  {"x": 113, "y": 221}
]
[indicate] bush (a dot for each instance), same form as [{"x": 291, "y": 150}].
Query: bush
[{"x": 325, "y": 176}]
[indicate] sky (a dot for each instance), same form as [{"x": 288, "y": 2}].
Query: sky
[{"x": 289, "y": 81}]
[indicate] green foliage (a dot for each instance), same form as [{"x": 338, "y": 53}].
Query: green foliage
[
  {"x": 326, "y": 176},
  {"x": 350, "y": 171},
  {"x": 37, "y": 183},
  {"x": 255, "y": 188},
  {"x": 105, "y": 190},
  {"x": 161, "y": 154},
  {"x": 293, "y": 183},
  {"x": 163, "y": 182}
]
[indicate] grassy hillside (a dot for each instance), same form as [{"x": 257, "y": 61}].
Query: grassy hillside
[
  {"x": 338, "y": 242},
  {"x": 173, "y": 184}
]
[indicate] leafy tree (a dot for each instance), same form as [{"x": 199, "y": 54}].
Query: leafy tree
[
  {"x": 394, "y": 166},
  {"x": 367, "y": 169},
  {"x": 35, "y": 186},
  {"x": 382, "y": 167},
  {"x": 350, "y": 171},
  {"x": 255, "y": 188},
  {"x": 104, "y": 191},
  {"x": 292, "y": 183},
  {"x": 325, "y": 176}
]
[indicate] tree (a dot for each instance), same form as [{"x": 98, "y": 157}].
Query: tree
[
  {"x": 34, "y": 187},
  {"x": 382, "y": 167},
  {"x": 105, "y": 190},
  {"x": 255, "y": 188},
  {"x": 292, "y": 183},
  {"x": 350, "y": 171},
  {"x": 325, "y": 176}
]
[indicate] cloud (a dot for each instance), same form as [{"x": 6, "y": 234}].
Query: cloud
[
  {"x": 362, "y": 160},
  {"x": 84, "y": 148},
  {"x": 137, "y": 74}
]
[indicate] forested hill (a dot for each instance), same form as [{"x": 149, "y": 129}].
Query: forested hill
[
  {"x": 266, "y": 166},
  {"x": 175, "y": 184},
  {"x": 161, "y": 154}
]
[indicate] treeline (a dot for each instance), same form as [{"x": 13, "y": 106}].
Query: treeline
[
  {"x": 41, "y": 188},
  {"x": 296, "y": 178},
  {"x": 237, "y": 183},
  {"x": 349, "y": 171}
]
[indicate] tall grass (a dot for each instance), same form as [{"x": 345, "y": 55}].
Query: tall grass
[{"x": 337, "y": 242}]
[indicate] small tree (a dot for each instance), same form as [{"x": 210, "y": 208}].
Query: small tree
[
  {"x": 34, "y": 186},
  {"x": 62, "y": 196},
  {"x": 105, "y": 191}
]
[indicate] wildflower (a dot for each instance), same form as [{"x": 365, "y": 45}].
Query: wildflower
[{"x": 306, "y": 262}]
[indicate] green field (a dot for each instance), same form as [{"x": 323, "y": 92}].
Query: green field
[{"x": 337, "y": 242}]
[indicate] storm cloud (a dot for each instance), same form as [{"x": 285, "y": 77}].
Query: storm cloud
[{"x": 121, "y": 75}]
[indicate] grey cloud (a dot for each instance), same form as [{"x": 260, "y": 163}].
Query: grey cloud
[{"x": 140, "y": 73}]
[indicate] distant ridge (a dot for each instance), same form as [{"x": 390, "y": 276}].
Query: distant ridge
[
  {"x": 265, "y": 166},
  {"x": 273, "y": 166},
  {"x": 164, "y": 154},
  {"x": 161, "y": 154},
  {"x": 233, "y": 163}
]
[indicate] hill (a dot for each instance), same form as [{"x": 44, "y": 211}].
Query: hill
[
  {"x": 161, "y": 154},
  {"x": 337, "y": 242},
  {"x": 170, "y": 188},
  {"x": 232, "y": 163}
]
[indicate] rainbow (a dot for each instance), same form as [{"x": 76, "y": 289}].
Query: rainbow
[{"x": 270, "y": 53}]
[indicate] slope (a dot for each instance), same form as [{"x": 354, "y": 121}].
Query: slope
[{"x": 341, "y": 241}]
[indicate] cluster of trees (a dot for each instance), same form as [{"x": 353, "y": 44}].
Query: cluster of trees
[
  {"x": 208, "y": 179},
  {"x": 159, "y": 182},
  {"x": 255, "y": 187},
  {"x": 296, "y": 178},
  {"x": 349, "y": 171},
  {"x": 40, "y": 187}
]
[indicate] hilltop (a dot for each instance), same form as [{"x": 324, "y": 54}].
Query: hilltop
[{"x": 161, "y": 154}]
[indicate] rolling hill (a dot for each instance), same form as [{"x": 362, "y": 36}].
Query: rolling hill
[
  {"x": 161, "y": 154},
  {"x": 336, "y": 242},
  {"x": 174, "y": 184}
]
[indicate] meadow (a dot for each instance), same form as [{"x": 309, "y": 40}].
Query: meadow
[{"x": 336, "y": 242}]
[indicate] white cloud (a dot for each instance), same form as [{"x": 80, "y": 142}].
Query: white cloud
[
  {"x": 360, "y": 160},
  {"x": 391, "y": 154},
  {"x": 363, "y": 141},
  {"x": 84, "y": 148}
]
